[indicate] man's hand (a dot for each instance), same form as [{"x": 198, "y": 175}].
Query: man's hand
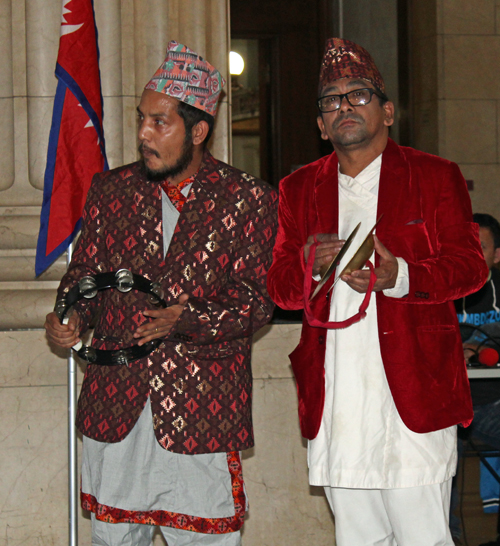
[
  {"x": 386, "y": 272},
  {"x": 329, "y": 247},
  {"x": 64, "y": 335},
  {"x": 470, "y": 350},
  {"x": 163, "y": 321}
]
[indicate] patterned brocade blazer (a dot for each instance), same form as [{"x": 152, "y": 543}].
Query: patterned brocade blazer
[{"x": 199, "y": 379}]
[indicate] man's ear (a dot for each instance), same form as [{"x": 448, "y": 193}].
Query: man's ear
[
  {"x": 388, "y": 113},
  {"x": 496, "y": 256},
  {"x": 199, "y": 132},
  {"x": 321, "y": 126}
]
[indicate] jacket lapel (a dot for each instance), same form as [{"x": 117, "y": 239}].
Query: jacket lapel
[
  {"x": 326, "y": 196},
  {"x": 203, "y": 202},
  {"x": 393, "y": 187},
  {"x": 145, "y": 202}
]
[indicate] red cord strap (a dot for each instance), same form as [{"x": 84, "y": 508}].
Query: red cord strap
[{"x": 307, "y": 291}]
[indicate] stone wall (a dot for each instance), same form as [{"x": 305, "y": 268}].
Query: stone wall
[{"x": 456, "y": 88}]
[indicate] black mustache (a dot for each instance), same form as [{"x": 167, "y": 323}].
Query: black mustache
[{"x": 143, "y": 148}]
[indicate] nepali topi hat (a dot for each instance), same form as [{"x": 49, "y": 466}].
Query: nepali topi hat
[
  {"x": 186, "y": 76},
  {"x": 345, "y": 59}
]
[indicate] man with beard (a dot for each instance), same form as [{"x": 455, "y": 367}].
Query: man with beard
[
  {"x": 162, "y": 433},
  {"x": 381, "y": 388}
]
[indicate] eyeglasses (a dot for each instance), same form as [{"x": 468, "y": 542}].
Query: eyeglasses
[{"x": 358, "y": 97}]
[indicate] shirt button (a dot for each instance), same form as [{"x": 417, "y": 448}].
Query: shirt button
[{"x": 321, "y": 340}]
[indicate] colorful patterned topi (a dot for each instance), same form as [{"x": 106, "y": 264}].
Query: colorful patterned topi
[
  {"x": 345, "y": 59},
  {"x": 186, "y": 76}
]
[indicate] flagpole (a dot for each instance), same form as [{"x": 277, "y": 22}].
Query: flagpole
[
  {"x": 76, "y": 151},
  {"x": 73, "y": 492},
  {"x": 341, "y": 19}
]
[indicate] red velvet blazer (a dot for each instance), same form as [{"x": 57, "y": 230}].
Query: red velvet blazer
[
  {"x": 199, "y": 380},
  {"x": 428, "y": 222}
]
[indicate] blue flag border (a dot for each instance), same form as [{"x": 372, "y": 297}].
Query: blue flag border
[{"x": 65, "y": 82}]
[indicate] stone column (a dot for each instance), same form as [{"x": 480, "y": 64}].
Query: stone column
[
  {"x": 456, "y": 90},
  {"x": 133, "y": 36}
]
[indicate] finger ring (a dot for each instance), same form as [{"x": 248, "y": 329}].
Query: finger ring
[{"x": 156, "y": 330}]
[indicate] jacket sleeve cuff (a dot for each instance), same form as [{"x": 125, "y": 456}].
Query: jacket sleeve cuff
[{"x": 402, "y": 286}]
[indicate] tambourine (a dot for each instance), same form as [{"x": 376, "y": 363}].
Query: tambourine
[{"x": 87, "y": 288}]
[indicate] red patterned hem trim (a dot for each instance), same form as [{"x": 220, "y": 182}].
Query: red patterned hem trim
[{"x": 163, "y": 518}]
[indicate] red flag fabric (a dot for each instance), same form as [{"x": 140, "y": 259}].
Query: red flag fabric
[{"x": 76, "y": 148}]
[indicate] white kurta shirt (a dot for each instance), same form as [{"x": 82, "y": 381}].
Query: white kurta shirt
[{"x": 362, "y": 442}]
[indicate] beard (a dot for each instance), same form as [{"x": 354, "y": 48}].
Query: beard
[
  {"x": 169, "y": 171},
  {"x": 353, "y": 136}
]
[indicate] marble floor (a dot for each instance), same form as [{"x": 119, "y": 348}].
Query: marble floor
[{"x": 479, "y": 527}]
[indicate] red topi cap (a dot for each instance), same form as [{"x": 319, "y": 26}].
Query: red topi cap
[{"x": 345, "y": 59}]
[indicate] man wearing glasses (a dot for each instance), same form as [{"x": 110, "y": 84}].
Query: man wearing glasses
[{"x": 381, "y": 389}]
